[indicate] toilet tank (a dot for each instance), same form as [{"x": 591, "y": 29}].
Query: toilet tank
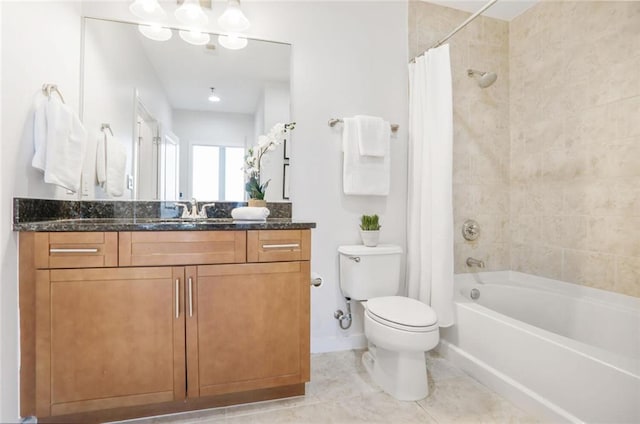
[{"x": 368, "y": 272}]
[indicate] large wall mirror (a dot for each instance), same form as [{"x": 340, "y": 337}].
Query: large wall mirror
[{"x": 158, "y": 99}]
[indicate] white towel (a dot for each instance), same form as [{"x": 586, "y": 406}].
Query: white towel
[
  {"x": 250, "y": 214},
  {"x": 111, "y": 163},
  {"x": 39, "y": 160},
  {"x": 373, "y": 135},
  {"x": 363, "y": 175},
  {"x": 66, "y": 142}
]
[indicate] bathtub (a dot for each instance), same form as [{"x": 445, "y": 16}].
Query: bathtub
[{"x": 561, "y": 351}]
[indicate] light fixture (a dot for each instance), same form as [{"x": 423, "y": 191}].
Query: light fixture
[
  {"x": 212, "y": 97},
  {"x": 147, "y": 9},
  {"x": 233, "y": 20},
  {"x": 190, "y": 13},
  {"x": 196, "y": 38},
  {"x": 232, "y": 41},
  {"x": 155, "y": 32}
]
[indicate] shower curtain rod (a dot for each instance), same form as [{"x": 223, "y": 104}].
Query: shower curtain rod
[{"x": 458, "y": 28}]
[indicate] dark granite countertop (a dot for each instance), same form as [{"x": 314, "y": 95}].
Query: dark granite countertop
[
  {"x": 159, "y": 224},
  {"x": 44, "y": 215}
]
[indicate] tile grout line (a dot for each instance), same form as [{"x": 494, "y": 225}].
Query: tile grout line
[{"x": 427, "y": 412}]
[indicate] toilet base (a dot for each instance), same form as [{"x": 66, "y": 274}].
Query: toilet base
[{"x": 403, "y": 375}]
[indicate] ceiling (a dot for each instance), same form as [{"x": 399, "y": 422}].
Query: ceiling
[
  {"x": 239, "y": 76},
  {"x": 503, "y": 9}
]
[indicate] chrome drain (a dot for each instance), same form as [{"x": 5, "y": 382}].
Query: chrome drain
[{"x": 475, "y": 294}]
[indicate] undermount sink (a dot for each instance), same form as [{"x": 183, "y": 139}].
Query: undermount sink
[
  {"x": 182, "y": 220},
  {"x": 159, "y": 221}
]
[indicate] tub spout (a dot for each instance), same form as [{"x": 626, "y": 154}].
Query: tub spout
[{"x": 471, "y": 262}]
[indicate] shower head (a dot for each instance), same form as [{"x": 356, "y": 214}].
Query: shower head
[{"x": 485, "y": 79}]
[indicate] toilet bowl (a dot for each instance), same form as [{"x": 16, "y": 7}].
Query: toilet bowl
[{"x": 399, "y": 329}]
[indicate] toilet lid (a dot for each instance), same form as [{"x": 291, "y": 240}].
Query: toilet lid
[{"x": 404, "y": 312}]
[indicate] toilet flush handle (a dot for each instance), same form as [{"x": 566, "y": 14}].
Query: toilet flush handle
[{"x": 355, "y": 258}]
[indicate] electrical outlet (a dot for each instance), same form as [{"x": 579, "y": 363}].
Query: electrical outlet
[
  {"x": 129, "y": 182},
  {"x": 85, "y": 188}
]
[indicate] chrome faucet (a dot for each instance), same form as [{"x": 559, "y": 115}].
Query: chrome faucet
[
  {"x": 184, "y": 213},
  {"x": 193, "y": 212},
  {"x": 203, "y": 210},
  {"x": 471, "y": 262}
]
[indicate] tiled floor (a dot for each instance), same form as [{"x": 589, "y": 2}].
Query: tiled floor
[{"x": 341, "y": 391}]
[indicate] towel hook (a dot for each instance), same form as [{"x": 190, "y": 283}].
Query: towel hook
[
  {"x": 48, "y": 88},
  {"x": 106, "y": 127}
]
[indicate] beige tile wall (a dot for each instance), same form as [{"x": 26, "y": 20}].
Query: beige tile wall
[
  {"x": 575, "y": 143},
  {"x": 548, "y": 158},
  {"x": 481, "y": 127}
]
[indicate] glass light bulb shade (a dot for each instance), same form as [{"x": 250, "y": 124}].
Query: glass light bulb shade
[
  {"x": 233, "y": 20},
  {"x": 190, "y": 13},
  {"x": 213, "y": 98},
  {"x": 195, "y": 37},
  {"x": 232, "y": 41},
  {"x": 147, "y": 9},
  {"x": 155, "y": 32}
]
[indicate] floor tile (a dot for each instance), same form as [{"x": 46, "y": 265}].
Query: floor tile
[
  {"x": 341, "y": 391},
  {"x": 463, "y": 400}
]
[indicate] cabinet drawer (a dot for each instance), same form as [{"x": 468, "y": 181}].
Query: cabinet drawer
[
  {"x": 278, "y": 245},
  {"x": 182, "y": 247},
  {"x": 76, "y": 250}
]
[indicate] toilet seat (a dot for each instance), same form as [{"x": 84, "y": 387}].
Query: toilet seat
[{"x": 402, "y": 313}]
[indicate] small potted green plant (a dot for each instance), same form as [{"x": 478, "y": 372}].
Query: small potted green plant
[{"x": 370, "y": 230}]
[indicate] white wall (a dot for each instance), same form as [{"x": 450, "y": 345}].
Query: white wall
[
  {"x": 40, "y": 44},
  {"x": 213, "y": 128},
  {"x": 275, "y": 107},
  {"x": 7, "y": 402},
  {"x": 348, "y": 58},
  {"x": 116, "y": 66}
]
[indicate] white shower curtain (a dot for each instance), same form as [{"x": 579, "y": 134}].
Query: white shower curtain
[{"x": 430, "y": 208}]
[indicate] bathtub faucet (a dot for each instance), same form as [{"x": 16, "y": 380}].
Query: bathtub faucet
[{"x": 471, "y": 262}]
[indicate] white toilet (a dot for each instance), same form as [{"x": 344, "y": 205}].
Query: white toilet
[{"x": 399, "y": 329}]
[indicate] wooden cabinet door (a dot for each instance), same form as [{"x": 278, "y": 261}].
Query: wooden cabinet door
[
  {"x": 249, "y": 327},
  {"x": 108, "y": 338}
]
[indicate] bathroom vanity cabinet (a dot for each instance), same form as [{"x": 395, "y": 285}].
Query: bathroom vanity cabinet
[{"x": 124, "y": 324}]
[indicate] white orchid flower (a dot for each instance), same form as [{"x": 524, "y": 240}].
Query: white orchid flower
[
  {"x": 266, "y": 143},
  {"x": 263, "y": 140}
]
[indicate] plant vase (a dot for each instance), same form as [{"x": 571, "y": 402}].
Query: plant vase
[
  {"x": 257, "y": 203},
  {"x": 370, "y": 238}
]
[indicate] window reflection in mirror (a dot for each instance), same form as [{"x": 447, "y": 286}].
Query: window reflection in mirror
[
  {"x": 155, "y": 94},
  {"x": 216, "y": 172}
]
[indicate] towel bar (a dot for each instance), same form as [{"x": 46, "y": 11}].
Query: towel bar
[{"x": 333, "y": 121}]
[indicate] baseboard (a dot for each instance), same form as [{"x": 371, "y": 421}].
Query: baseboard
[
  {"x": 334, "y": 344},
  {"x": 505, "y": 386}
]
